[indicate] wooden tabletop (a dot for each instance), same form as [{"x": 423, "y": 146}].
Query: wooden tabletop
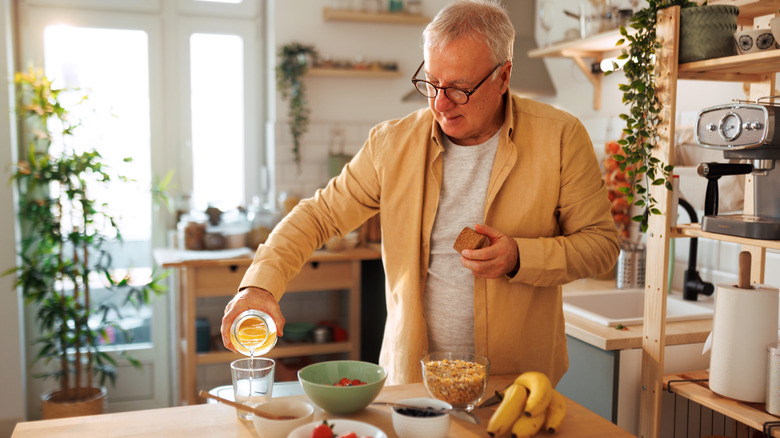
[{"x": 210, "y": 420}]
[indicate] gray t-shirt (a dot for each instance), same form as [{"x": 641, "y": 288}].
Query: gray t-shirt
[{"x": 449, "y": 290}]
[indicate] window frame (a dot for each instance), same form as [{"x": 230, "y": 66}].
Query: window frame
[
  {"x": 254, "y": 116},
  {"x": 246, "y": 8}
]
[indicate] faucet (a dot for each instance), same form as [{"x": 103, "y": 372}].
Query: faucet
[{"x": 693, "y": 285}]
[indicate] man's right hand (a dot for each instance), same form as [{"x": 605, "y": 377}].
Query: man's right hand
[{"x": 246, "y": 299}]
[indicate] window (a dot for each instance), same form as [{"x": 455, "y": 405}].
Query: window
[
  {"x": 217, "y": 111},
  {"x": 153, "y": 64},
  {"x": 111, "y": 67}
]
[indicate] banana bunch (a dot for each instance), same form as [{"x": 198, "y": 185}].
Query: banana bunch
[{"x": 530, "y": 403}]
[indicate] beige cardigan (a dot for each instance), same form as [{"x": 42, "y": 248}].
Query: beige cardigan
[{"x": 546, "y": 191}]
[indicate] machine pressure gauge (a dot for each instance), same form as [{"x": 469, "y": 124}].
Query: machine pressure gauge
[
  {"x": 738, "y": 126},
  {"x": 730, "y": 126}
]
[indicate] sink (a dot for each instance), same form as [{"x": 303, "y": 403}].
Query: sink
[{"x": 626, "y": 306}]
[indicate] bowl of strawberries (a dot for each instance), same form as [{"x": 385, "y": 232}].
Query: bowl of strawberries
[
  {"x": 342, "y": 386},
  {"x": 337, "y": 428}
]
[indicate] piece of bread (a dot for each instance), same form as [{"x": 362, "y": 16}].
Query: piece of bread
[{"x": 470, "y": 239}]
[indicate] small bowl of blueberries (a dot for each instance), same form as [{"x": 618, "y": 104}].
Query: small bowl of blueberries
[{"x": 424, "y": 422}]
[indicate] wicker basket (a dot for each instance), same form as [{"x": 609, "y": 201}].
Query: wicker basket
[
  {"x": 707, "y": 32},
  {"x": 53, "y": 406}
]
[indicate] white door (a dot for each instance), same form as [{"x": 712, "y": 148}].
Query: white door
[{"x": 144, "y": 64}]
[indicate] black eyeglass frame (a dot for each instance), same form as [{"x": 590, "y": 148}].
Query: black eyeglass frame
[{"x": 468, "y": 93}]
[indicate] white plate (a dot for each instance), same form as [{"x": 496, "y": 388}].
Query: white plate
[{"x": 340, "y": 427}]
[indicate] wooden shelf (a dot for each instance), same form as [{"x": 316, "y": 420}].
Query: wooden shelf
[
  {"x": 595, "y": 48},
  {"x": 739, "y": 68},
  {"x": 749, "y": 9},
  {"x": 317, "y": 72},
  {"x": 750, "y": 414},
  {"x": 330, "y": 14},
  {"x": 694, "y": 230},
  {"x": 759, "y": 70}
]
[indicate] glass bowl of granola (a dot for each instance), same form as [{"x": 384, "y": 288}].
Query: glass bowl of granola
[{"x": 456, "y": 378}]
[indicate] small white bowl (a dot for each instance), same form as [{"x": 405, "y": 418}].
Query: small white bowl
[
  {"x": 336, "y": 243},
  {"x": 267, "y": 428},
  {"x": 340, "y": 427},
  {"x": 408, "y": 426},
  {"x": 754, "y": 40}
]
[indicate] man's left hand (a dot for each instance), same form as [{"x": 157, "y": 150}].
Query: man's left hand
[{"x": 494, "y": 261}]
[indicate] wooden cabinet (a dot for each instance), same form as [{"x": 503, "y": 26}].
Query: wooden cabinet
[{"x": 324, "y": 271}]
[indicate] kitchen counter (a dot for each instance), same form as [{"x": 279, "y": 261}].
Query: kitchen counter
[
  {"x": 610, "y": 338},
  {"x": 209, "y": 420},
  {"x": 605, "y": 362}
]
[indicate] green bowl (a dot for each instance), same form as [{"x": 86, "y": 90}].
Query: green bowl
[
  {"x": 317, "y": 381},
  {"x": 297, "y": 331}
]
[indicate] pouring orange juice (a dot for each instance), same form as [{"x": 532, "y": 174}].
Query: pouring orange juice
[{"x": 253, "y": 333}]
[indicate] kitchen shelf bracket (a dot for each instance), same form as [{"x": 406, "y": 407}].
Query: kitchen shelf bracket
[{"x": 593, "y": 78}]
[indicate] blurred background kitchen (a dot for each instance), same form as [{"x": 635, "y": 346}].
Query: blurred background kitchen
[{"x": 193, "y": 86}]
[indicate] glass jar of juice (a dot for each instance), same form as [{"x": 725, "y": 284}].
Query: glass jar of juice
[{"x": 253, "y": 333}]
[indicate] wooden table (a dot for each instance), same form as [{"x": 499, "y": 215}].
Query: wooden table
[{"x": 210, "y": 420}]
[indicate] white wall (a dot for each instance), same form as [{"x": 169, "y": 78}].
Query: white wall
[
  {"x": 12, "y": 404},
  {"x": 355, "y": 104}
]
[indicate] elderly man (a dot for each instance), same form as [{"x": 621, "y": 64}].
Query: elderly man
[{"x": 520, "y": 172}]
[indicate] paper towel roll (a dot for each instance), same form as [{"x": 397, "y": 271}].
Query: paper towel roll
[{"x": 745, "y": 323}]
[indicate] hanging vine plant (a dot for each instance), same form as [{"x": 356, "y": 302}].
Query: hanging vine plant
[
  {"x": 642, "y": 119},
  {"x": 294, "y": 59}
]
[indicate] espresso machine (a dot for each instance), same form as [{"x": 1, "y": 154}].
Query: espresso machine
[{"x": 749, "y": 136}]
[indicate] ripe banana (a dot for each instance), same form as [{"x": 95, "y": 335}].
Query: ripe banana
[
  {"x": 539, "y": 391},
  {"x": 555, "y": 412},
  {"x": 510, "y": 409},
  {"x": 526, "y": 427}
]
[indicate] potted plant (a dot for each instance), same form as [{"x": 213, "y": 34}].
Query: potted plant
[
  {"x": 706, "y": 32},
  {"x": 294, "y": 60},
  {"x": 62, "y": 255},
  {"x": 642, "y": 119}
]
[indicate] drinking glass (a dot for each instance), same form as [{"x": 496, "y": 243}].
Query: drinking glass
[{"x": 253, "y": 382}]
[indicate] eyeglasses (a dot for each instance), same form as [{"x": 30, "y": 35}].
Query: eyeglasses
[{"x": 458, "y": 96}]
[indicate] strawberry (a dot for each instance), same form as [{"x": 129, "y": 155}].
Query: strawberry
[
  {"x": 323, "y": 430},
  {"x": 349, "y": 435}
]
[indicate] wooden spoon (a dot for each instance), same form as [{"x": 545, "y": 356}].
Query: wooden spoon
[
  {"x": 744, "y": 271},
  {"x": 245, "y": 408}
]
